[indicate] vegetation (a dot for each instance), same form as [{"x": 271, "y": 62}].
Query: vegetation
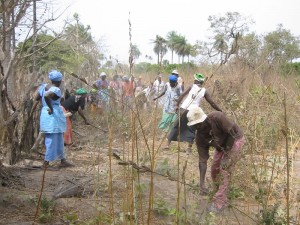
[{"x": 254, "y": 78}]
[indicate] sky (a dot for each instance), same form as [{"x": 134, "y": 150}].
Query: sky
[{"x": 109, "y": 19}]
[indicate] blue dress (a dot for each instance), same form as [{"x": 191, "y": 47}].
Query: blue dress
[{"x": 53, "y": 126}]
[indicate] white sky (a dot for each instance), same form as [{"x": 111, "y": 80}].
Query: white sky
[{"x": 109, "y": 19}]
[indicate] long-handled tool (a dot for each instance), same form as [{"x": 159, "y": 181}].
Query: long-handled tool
[{"x": 105, "y": 131}]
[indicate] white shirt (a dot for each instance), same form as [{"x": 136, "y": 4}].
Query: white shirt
[
  {"x": 158, "y": 87},
  {"x": 194, "y": 97}
]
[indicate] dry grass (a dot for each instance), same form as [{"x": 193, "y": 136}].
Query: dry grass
[{"x": 121, "y": 195}]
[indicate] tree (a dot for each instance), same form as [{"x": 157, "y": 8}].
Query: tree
[
  {"x": 135, "y": 52},
  {"x": 250, "y": 50},
  {"x": 226, "y": 32},
  {"x": 12, "y": 13},
  {"x": 86, "y": 51},
  {"x": 181, "y": 46},
  {"x": 53, "y": 53},
  {"x": 281, "y": 46},
  {"x": 172, "y": 37},
  {"x": 160, "y": 48},
  {"x": 14, "y": 75}
]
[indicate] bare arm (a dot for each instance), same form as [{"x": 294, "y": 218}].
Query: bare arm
[
  {"x": 164, "y": 92},
  {"x": 80, "y": 112},
  {"x": 37, "y": 99},
  {"x": 211, "y": 102},
  {"x": 48, "y": 98},
  {"x": 95, "y": 85}
]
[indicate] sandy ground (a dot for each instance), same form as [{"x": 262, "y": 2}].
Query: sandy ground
[{"x": 94, "y": 202}]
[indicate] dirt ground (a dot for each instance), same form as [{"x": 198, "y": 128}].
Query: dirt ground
[{"x": 91, "y": 201}]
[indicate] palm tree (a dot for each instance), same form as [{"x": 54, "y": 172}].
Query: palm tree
[
  {"x": 171, "y": 38},
  {"x": 181, "y": 46},
  {"x": 191, "y": 50},
  {"x": 160, "y": 48},
  {"x": 135, "y": 52}
]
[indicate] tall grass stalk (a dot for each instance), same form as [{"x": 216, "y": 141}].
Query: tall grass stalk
[
  {"x": 110, "y": 187},
  {"x": 152, "y": 166},
  {"x": 138, "y": 180},
  {"x": 287, "y": 163}
]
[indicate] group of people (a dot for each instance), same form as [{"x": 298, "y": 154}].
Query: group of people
[
  {"x": 108, "y": 95},
  {"x": 182, "y": 118},
  {"x": 105, "y": 95},
  {"x": 185, "y": 121}
]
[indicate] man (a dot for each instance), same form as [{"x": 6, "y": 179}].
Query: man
[
  {"x": 216, "y": 130},
  {"x": 73, "y": 104},
  {"x": 179, "y": 80},
  {"x": 172, "y": 93}
]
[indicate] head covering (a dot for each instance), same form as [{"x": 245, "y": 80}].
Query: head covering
[
  {"x": 175, "y": 72},
  {"x": 199, "y": 77},
  {"x": 159, "y": 75},
  {"x": 55, "y": 75},
  {"x": 81, "y": 91},
  {"x": 126, "y": 78},
  {"x": 93, "y": 91},
  {"x": 173, "y": 78},
  {"x": 102, "y": 74},
  {"x": 195, "y": 115}
]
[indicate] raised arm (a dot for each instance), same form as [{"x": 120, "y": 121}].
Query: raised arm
[{"x": 162, "y": 94}]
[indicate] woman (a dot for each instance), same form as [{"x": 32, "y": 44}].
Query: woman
[
  {"x": 52, "y": 119},
  {"x": 73, "y": 104},
  {"x": 172, "y": 92},
  {"x": 195, "y": 94},
  {"x": 102, "y": 87}
]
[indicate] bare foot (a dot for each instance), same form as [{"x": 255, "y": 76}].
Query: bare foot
[
  {"x": 203, "y": 190},
  {"x": 66, "y": 164}
]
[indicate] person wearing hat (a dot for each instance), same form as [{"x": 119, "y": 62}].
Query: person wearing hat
[
  {"x": 102, "y": 87},
  {"x": 52, "y": 119},
  {"x": 194, "y": 95},
  {"x": 179, "y": 80},
  {"x": 172, "y": 93},
  {"x": 75, "y": 103},
  {"x": 218, "y": 131}
]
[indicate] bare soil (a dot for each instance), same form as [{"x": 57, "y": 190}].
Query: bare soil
[{"x": 91, "y": 202}]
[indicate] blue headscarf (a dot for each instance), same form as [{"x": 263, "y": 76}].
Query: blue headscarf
[
  {"x": 173, "y": 78},
  {"x": 55, "y": 75}
]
